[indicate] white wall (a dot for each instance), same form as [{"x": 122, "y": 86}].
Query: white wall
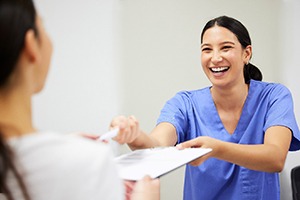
[
  {"x": 290, "y": 69},
  {"x": 81, "y": 93}
]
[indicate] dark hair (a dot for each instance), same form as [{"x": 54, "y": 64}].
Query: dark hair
[
  {"x": 16, "y": 18},
  {"x": 240, "y": 31}
]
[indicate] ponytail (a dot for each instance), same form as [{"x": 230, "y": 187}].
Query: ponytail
[
  {"x": 252, "y": 72},
  {"x": 7, "y": 165}
]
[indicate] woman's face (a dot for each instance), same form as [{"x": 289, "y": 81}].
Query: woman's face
[
  {"x": 223, "y": 57},
  {"x": 45, "y": 49}
]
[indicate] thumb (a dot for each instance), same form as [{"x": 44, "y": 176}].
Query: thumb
[{"x": 188, "y": 144}]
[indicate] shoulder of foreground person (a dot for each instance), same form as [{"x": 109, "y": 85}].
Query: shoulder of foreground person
[{"x": 67, "y": 167}]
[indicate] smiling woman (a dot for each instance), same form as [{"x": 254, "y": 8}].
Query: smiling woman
[
  {"x": 220, "y": 43},
  {"x": 241, "y": 118}
]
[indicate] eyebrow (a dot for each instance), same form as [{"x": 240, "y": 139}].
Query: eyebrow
[{"x": 222, "y": 43}]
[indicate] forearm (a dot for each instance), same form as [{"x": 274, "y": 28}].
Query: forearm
[
  {"x": 262, "y": 157},
  {"x": 269, "y": 156},
  {"x": 143, "y": 141},
  {"x": 164, "y": 134}
]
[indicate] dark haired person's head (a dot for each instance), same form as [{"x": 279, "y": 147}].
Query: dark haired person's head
[
  {"x": 17, "y": 17},
  {"x": 240, "y": 31}
]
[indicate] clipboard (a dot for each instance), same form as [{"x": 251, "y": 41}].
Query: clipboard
[{"x": 155, "y": 162}]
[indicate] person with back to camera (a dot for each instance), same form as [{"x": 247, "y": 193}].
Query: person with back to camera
[
  {"x": 37, "y": 165},
  {"x": 249, "y": 124}
]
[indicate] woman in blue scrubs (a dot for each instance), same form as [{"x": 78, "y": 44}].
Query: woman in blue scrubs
[{"x": 249, "y": 124}]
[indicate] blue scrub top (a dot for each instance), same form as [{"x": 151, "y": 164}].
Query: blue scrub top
[{"x": 193, "y": 114}]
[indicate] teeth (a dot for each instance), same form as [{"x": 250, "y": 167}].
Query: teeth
[{"x": 219, "y": 69}]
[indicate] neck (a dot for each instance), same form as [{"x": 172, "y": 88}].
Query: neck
[
  {"x": 15, "y": 114},
  {"x": 231, "y": 98}
]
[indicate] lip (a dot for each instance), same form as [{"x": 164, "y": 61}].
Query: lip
[{"x": 219, "y": 71}]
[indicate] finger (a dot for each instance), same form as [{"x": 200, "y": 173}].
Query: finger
[
  {"x": 88, "y": 135},
  {"x": 134, "y": 128},
  {"x": 146, "y": 189},
  {"x": 129, "y": 185},
  {"x": 120, "y": 138},
  {"x": 154, "y": 182},
  {"x": 117, "y": 121},
  {"x": 147, "y": 178},
  {"x": 199, "y": 161},
  {"x": 191, "y": 143},
  {"x": 122, "y": 135},
  {"x": 132, "y": 121},
  {"x": 121, "y": 122},
  {"x": 196, "y": 162}
]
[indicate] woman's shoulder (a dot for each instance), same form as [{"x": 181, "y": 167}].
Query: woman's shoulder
[
  {"x": 194, "y": 93},
  {"x": 58, "y": 145},
  {"x": 187, "y": 97},
  {"x": 265, "y": 84},
  {"x": 51, "y": 159},
  {"x": 268, "y": 87}
]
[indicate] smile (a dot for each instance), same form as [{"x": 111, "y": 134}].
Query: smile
[{"x": 219, "y": 69}]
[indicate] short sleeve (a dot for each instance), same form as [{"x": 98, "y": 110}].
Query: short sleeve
[
  {"x": 175, "y": 112},
  {"x": 281, "y": 113}
]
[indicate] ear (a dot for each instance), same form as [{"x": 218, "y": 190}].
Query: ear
[
  {"x": 247, "y": 54},
  {"x": 31, "y": 47}
]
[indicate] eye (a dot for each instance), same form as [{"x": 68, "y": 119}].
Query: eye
[
  {"x": 226, "y": 48},
  {"x": 206, "y": 49}
]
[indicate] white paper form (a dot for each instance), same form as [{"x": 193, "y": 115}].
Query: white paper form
[{"x": 155, "y": 162}]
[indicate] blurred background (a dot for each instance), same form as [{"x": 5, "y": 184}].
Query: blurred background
[{"x": 128, "y": 57}]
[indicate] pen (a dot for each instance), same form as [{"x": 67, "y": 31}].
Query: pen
[{"x": 109, "y": 134}]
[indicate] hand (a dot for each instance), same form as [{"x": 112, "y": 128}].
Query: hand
[
  {"x": 89, "y": 136},
  {"x": 129, "y": 185},
  {"x": 204, "y": 142},
  {"x": 85, "y": 135},
  {"x": 129, "y": 128},
  {"x": 146, "y": 189}
]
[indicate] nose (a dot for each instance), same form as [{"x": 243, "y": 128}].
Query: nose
[{"x": 216, "y": 57}]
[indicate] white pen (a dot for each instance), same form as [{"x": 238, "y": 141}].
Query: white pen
[{"x": 109, "y": 134}]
